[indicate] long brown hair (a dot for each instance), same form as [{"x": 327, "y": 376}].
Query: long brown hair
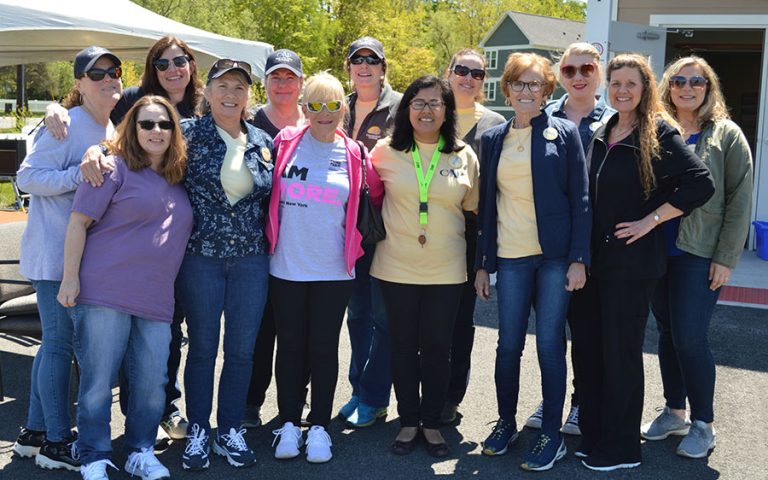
[
  {"x": 648, "y": 111},
  {"x": 126, "y": 143},
  {"x": 714, "y": 107},
  {"x": 467, "y": 52},
  {"x": 150, "y": 82}
]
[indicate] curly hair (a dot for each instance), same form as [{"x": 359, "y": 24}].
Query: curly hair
[
  {"x": 126, "y": 143},
  {"x": 713, "y": 108},
  {"x": 648, "y": 111}
]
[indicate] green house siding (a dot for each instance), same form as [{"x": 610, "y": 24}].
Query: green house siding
[{"x": 508, "y": 33}]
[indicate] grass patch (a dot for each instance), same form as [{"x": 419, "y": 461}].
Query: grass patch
[{"x": 7, "y": 197}]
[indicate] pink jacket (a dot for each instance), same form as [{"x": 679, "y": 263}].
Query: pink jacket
[{"x": 285, "y": 144}]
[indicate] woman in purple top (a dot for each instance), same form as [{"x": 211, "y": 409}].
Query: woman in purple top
[{"x": 124, "y": 303}]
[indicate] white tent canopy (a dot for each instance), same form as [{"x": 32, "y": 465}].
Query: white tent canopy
[{"x": 33, "y": 31}]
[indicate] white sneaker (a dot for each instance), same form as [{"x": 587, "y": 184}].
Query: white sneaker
[
  {"x": 571, "y": 425},
  {"x": 288, "y": 441},
  {"x": 534, "y": 421},
  {"x": 145, "y": 464},
  {"x": 96, "y": 470},
  {"x": 318, "y": 445}
]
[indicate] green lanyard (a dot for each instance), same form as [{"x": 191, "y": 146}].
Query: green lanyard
[{"x": 424, "y": 181}]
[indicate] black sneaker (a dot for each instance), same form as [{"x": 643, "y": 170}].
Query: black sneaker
[
  {"x": 28, "y": 442},
  {"x": 196, "y": 452},
  {"x": 56, "y": 455}
]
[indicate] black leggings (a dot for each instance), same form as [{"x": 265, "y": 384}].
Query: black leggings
[
  {"x": 308, "y": 318},
  {"x": 421, "y": 319}
]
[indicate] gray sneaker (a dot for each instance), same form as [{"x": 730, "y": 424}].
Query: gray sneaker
[
  {"x": 699, "y": 441},
  {"x": 666, "y": 424}
]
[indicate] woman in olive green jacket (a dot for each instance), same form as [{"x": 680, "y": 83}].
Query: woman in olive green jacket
[{"x": 703, "y": 249}]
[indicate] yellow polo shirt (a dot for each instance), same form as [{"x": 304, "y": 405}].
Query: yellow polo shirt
[
  {"x": 516, "y": 215},
  {"x": 454, "y": 188}
]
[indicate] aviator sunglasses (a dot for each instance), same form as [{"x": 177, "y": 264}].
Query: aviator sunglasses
[
  {"x": 150, "y": 124},
  {"x": 316, "y": 107},
  {"x": 369, "y": 59},
  {"x": 586, "y": 70},
  {"x": 225, "y": 63},
  {"x": 463, "y": 71},
  {"x": 679, "y": 81},
  {"x": 98, "y": 74},
  {"x": 162, "y": 64}
]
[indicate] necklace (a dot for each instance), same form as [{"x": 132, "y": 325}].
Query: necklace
[
  {"x": 520, "y": 142},
  {"x": 424, "y": 182},
  {"x": 619, "y": 134}
]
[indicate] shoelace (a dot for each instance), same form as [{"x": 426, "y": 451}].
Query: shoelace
[
  {"x": 73, "y": 451},
  {"x": 573, "y": 417},
  {"x": 235, "y": 440},
  {"x": 499, "y": 428},
  {"x": 196, "y": 441},
  {"x": 318, "y": 434},
  {"x": 539, "y": 413},
  {"x": 143, "y": 461},
  {"x": 286, "y": 430},
  {"x": 96, "y": 467},
  {"x": 540, "y": 444}
]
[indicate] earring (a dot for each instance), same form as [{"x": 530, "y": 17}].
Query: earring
[{"x": 506, "y": 102}]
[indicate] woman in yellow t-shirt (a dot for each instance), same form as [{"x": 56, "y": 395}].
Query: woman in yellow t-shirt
[{"x": 430, "y": 178}]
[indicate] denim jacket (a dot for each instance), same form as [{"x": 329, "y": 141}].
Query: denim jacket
[
  {"x": 560, "y": 191},
  {"x": 222, "y": 230},
  {"x": 588, "y": 124}
]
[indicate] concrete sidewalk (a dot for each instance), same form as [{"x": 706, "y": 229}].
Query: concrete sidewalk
[{"x": 738, "y": 336}]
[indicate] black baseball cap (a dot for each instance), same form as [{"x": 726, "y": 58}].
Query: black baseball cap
[
  {"x": 86, "y": 57},
  {"x": 224, "y": 65},
  {"x": 366, "y": 42},
  {"x": 284, "y": 58}
]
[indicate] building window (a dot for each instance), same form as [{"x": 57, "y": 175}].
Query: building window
[
  {"x": 491, "y": 59},
  {"x": 489, "y": 89}
]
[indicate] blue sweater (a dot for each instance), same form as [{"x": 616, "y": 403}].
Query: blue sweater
[
  {"x": 51, "y": 174},
  {"x": 560, "y": 192}
]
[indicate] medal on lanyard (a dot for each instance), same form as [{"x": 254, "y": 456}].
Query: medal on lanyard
[{"x": 424, "y": 181}]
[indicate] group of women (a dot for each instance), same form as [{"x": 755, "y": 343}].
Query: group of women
[{"x": 254, "y": 214}]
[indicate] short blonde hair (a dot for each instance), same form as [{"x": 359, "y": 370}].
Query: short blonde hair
[
  {"x": 323, "y": 87},
  {"x": 714, "y": 107},
  {"x": 518, "y": 63},
  {"x": 204, "y": 108},
  {"x": 581, "y": 48}
]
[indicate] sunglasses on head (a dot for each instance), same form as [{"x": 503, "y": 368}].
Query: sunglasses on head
[
  {"x": 225, "y": 63},
  {"x": 586, "y": 70},
  {"x": 463, "y": 71},
  {"x": 369, "y": 59},
  {"x": 98, "y": 74},
  {"x": 316, "y": 107},
  {"x": 150, "y": 124},
  {"x": 679, "y": 81},
  {"x": 162, "y": 64}
]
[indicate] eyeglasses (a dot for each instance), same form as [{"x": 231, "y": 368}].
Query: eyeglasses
[
  {"x": 679, "y": 81},
  {"x": 162, "y": 64},
  {"x": 422, "y": 104},
  {"x": 518, "y": 86},
  {"x": 463, "y": 71},
  {"x": 98, "y": 74},
  {"x": 586, "y": 70},
  {"x": 226, "y": 63},
  {"x": 369, "y": 59},
  {"x": 150, "y": 124},
  {"x": 317, "y": 107}
]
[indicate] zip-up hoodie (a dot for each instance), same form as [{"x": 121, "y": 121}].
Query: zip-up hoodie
[{"x": 285, "y": 144}]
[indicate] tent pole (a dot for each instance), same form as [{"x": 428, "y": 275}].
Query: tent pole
[{"x": 21, "y": 89}]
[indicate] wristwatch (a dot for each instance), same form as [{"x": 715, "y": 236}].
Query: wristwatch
[{"x": 656, "y": 217}]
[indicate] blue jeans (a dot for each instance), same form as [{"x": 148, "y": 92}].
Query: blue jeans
[
  {"x": 104, "y": 340},
  {"x": 683, "y": 306},
  {"x": 49, "y": 385},
  {"x": 370, "y": 372},
  {"x": 520, "y": 284},
  {"x": 208, "y": 287}
]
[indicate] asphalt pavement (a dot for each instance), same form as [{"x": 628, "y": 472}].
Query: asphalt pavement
[{"x": 739, "y": 338}]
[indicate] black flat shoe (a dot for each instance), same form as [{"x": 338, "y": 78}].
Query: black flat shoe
[
  {"x": 404, "y": 448},
  {"x": 437, "y": 450}
]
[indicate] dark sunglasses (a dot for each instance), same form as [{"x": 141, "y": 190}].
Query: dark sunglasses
[
  {"x": 226, "y": 63},
  {"x": 162, "y": 64},
  {"x": 463, "y": 71},
  {"x": 98, "y": 74},
  {"x": 150, "y": 124},
  {"x": 586, "y": 70},
  {"x": 679, "y": 81},
  {"x": 369, "y": 59},
  {"x": 315, "y": 107}
]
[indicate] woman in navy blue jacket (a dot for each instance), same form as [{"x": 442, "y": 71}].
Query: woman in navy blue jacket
[{"x": 535, "y": 225}]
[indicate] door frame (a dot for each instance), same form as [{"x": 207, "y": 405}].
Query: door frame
[{"x": 760, "y": 162}]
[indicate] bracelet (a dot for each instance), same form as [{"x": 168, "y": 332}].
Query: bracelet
[{"x": 657, "y": 217}]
